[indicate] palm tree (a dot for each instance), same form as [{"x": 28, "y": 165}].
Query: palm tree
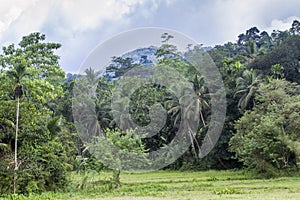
[
  {"x": 90, "y": 82},
  {"x": 90, "y": 120},
  {"x": 96, "y": 108},
  {"x": 103, "y": 110},
  {"x": 3, "y": 146},
  {"x": 199, "y": 103},
  {"x": 120, "y": 112},
  {"x": 18, "y": 72},
  {"x": 103, "y": 103},
  {"x": 193, "y": 108},
  {"x": 246, "y": 87},
  {"x": 252, "y": 50},
  {"x": 53, "y": 125},
  {"x": 277, "y": 71},
  {"x": 92, "y": 78}
]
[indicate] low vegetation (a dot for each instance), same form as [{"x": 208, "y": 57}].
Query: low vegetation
[{"x": 174, "y": 185}]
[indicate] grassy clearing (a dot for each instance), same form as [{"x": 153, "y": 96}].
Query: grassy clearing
[{"x": 169, "y": 185}]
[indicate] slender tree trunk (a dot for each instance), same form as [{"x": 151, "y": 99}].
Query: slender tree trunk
[
  {"x": 222, "y": 163},
  {"x": 16, "y": 146},
  {"x": 116, "y": 178},
  {"x": 202, "y": 119}
]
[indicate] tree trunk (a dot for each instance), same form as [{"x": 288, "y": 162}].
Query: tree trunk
[
  {"x": 16, "y": 146},
  {"x": 117, "y": 176},
  {"x": 202, "y": 119}
]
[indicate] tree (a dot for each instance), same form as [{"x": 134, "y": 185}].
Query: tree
[
  {"x": 295, "y": 29},
  {"x": 251, "y": 35},
  {"x": 195, "y": 108},
  {"x": 120, "y": 150},
  {"x": 18, "y": 72},
  {"x": 167, "y": 54},
  {"x": 286, "y": 54},
  {"x": 267, "y": 137},
  {"x": 277, "y": 71},
  {"x": 200, "y": 103},
  {"x": 291, "y": 127},
  {"x": 265, "y": 44},
  {"x": 232, "y": 67},
  {"x": 32, "y": 68},
  {"x": 246, "y": 87},
  {"x": 103, "y": 103},
  {"x": 84, "y": 105},
  {"x": 278, "y": 37},
  {"x": 119, "y": 66},
  {"x": 252, "y": 50}
]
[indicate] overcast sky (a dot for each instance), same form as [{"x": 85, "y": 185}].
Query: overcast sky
[{"x": 80, "y": 25}]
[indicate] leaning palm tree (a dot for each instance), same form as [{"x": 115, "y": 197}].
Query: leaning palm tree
[
  {"x": 246, "y": 87},
  {"x": 195, "y": 106},
  {"x": 18, "y": 72},
  {"x": 200, "y": 103},
  {"x": 191, "y": 107}
]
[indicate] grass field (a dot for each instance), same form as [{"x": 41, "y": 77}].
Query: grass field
[{"x": 169, "y": 185}]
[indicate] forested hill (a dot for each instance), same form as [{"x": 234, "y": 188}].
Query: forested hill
[{"x": 286, "y": 54}]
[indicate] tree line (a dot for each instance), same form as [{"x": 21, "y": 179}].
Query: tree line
[{"x": 39, "y": 142}]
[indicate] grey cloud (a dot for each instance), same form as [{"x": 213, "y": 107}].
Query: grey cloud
[{"x": 207, "y": 21}]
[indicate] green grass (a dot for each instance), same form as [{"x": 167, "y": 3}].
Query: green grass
[{"x": 169, "y": 185}]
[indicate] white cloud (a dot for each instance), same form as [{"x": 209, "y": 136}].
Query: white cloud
[
  {"x": 10, "y": 11},
  {"x": 80, "y": 25},
  {"x": 226, "y": 19},
  {"x": 78, "y": 15},
  {"x": 239, "y": 16},
  {"x": 83, "y": 15},
  {"x": 284, "y": 24},
  {"x": 218, "y": 21},
  {"x": 32, "y": 18}
]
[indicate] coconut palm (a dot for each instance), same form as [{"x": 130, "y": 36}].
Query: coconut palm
[
  {"x": 191, "y": 108},
  {"x": 88, "y": 88},
  {"x": 195, "y": 106},
  {"x": 103, "y": 110},
  {"x": 121, "y": 115},
  {"x": 92, "y": 79},
  {"x": 199, "y": 103},
  {"x": 246, "y": 87}
]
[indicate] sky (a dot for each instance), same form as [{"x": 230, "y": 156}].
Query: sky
[{"x": 82, "y": 25}]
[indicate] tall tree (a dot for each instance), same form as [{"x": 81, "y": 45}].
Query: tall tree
[
  {"x": 200, "y": 102},
  {"x": 295, "y": 29},
  {"x": 251, "y": 35},
  {"x": 18, "y": 72},
  {"x": 31, "y": 68}
]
